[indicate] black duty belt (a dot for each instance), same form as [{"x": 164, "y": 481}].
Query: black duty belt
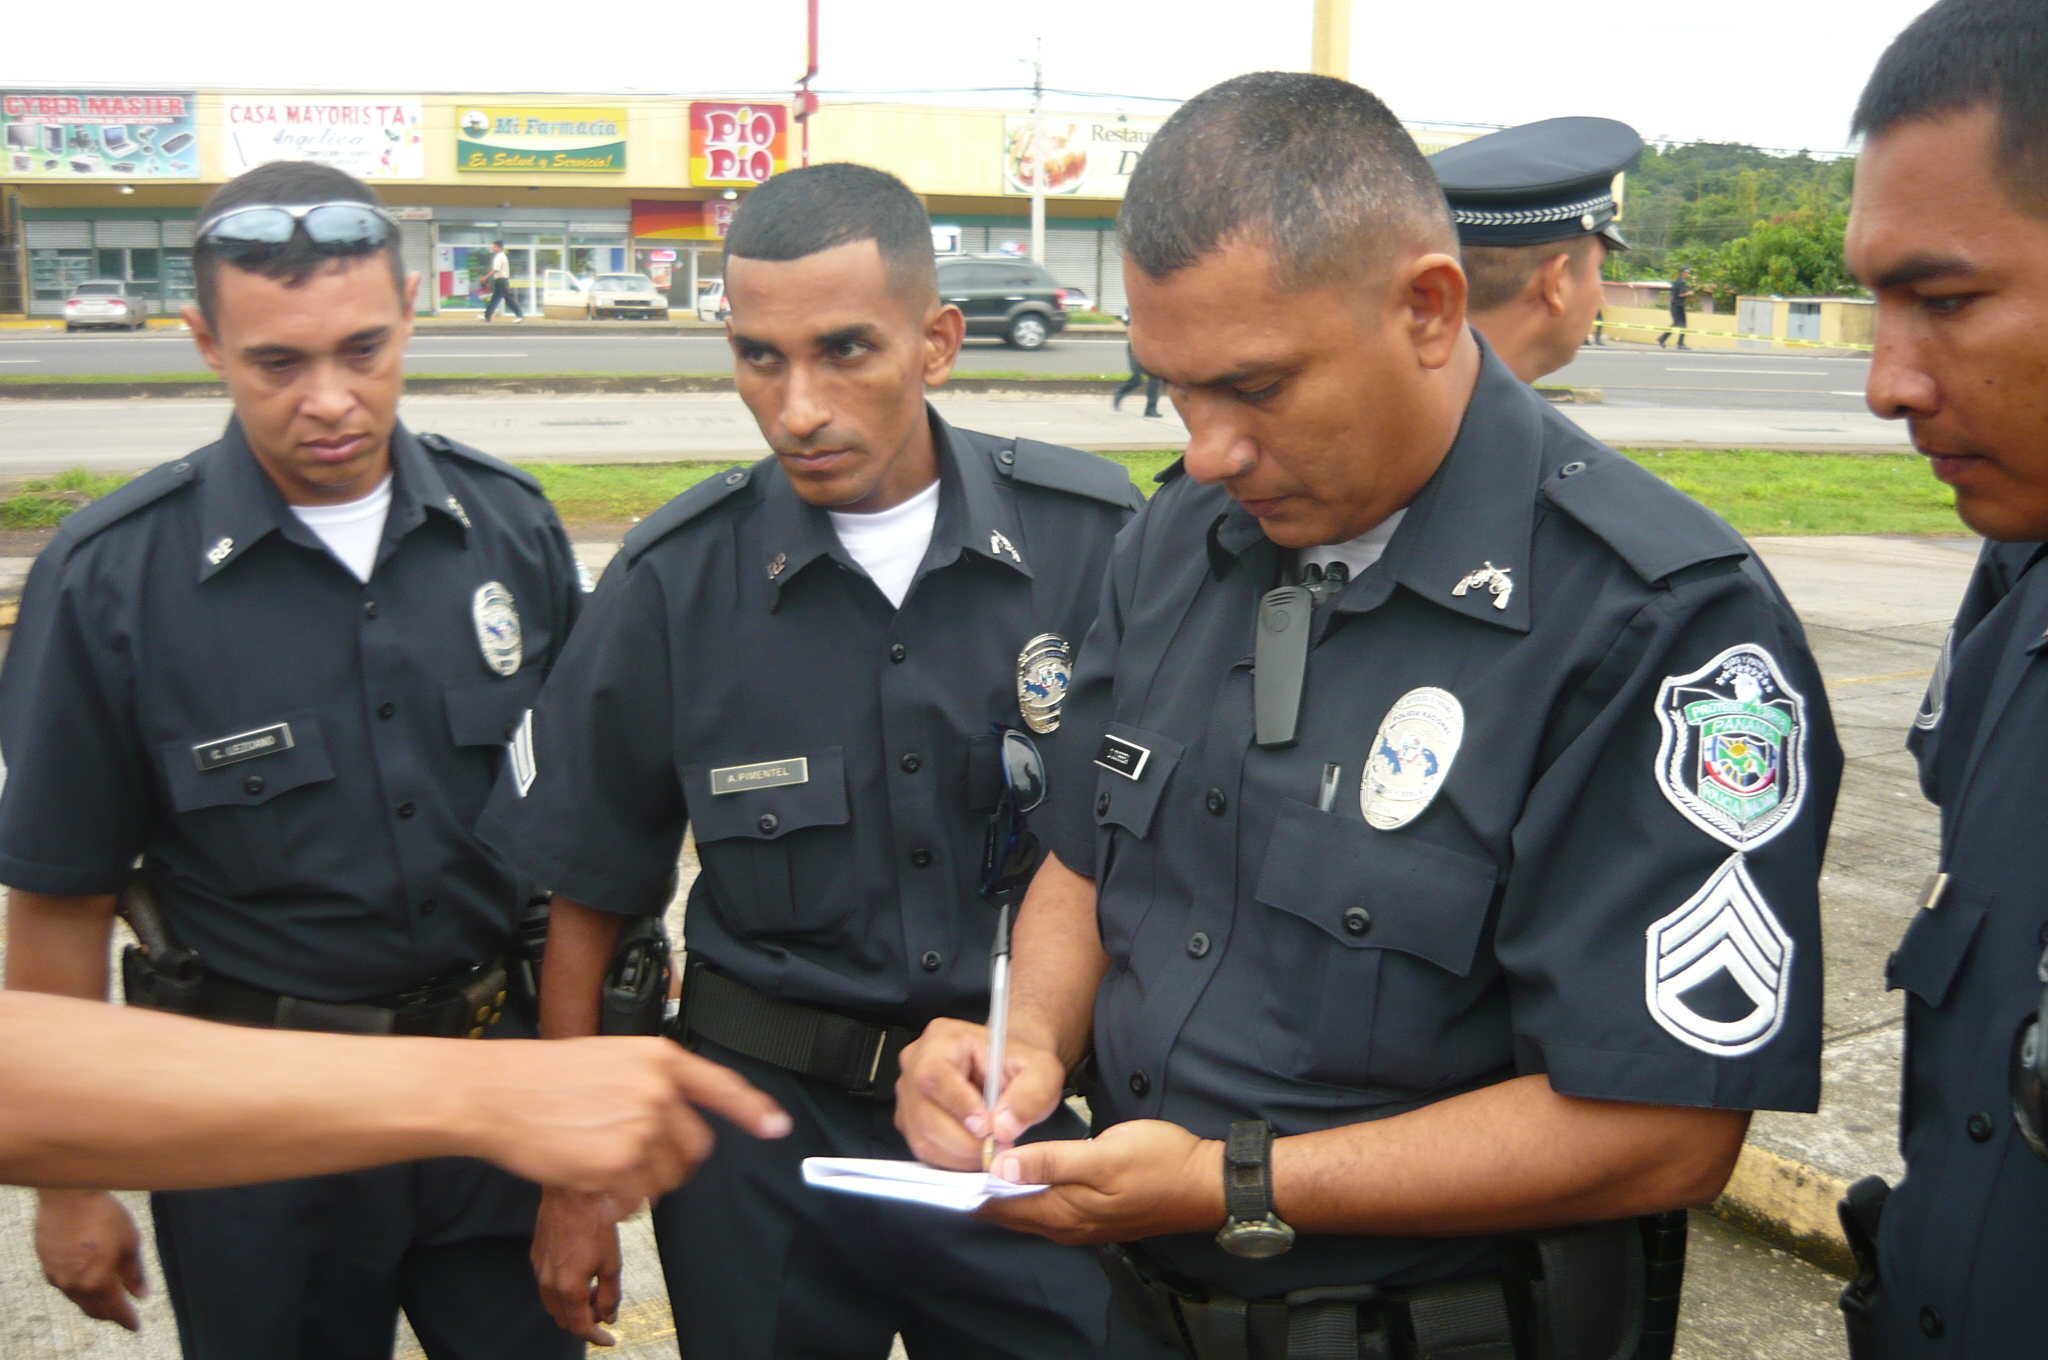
[
  {"x": 458, "y": 1007},
  {"x": 857, "y": 1056}
]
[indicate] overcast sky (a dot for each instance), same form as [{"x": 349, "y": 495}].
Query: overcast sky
[{"x": 1776, "y": 73}]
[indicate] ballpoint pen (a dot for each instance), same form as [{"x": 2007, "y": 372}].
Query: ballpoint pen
[
  {"x": 998, "y": 1028},
  {"x": 1327, "y": 798}
]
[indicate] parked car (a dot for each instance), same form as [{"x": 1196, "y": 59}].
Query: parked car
[
  {"x": 625, "y": 295},
  {"x": 711, "y": 303},
  {"x": 1075, "y": 300},
  {"x": 105, "y": 302},
  {"x": 1000, "y": 296}
]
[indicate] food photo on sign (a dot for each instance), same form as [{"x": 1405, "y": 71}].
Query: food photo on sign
[{"x": 1084, "y": 157}]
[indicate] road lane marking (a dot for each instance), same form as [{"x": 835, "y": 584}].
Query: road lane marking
[
  {"x": 1755, "y": 372},
  {"x": 20, "y": 361},
  {"x": 465, "y": 354},
  {"x": 1873, "y": 679}
]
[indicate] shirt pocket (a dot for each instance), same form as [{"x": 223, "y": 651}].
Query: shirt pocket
[
  {"x": 1133, "y": 768},
  {"x": 1928, "y": 959},
  {"x": 763, "y": 844},
  {"x": 252, "y": 815},
  {"x": 1369, "y": 944},
  {"x": 486, "y": 712}
]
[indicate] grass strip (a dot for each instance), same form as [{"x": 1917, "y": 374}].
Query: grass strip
[{"x": 44, "y": 502}]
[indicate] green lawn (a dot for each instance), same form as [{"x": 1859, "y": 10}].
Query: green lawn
[{"x": 1759, "y": 492}]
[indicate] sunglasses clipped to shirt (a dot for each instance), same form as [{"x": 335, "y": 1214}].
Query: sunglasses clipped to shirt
[
  {"x": 1009, "y": 855},
  {"x": 259, "y": 230}
]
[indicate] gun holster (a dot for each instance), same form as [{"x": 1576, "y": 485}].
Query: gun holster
[
  {"x": 523, "y": 955},
  {"x": 636, "y": 985},
  {"x": 1862, "y": 1210},
  {"x": 165, "y": 979}
]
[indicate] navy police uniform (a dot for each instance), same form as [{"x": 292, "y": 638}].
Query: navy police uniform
[
  {"x": 1537, "y": 183},
  {"x": 299, "y": 759},
  {"x": 1963, "y": 1243},
  {"x": 1585, "y": 770},
  {"x": 837, "y": 761}
]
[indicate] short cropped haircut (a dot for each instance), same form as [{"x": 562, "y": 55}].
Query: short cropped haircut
[
  {"x": 285, "y": 184},
  {"x": 1961, "y": 54},
  {"x": 801, "y": 212},
  {"x": 1496, "y": 275},
  {"x": 1316, "y": 170}
]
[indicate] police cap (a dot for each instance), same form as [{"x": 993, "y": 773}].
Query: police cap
[{"x": 1541, "y": 182}]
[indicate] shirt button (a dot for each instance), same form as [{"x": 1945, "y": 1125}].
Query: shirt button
[
  {"x": 2043, "y": 936},
  {"x": 1978, "y": 1126},
  {"x": 1198, "y": 944},
  {"x": 253, "y": 785},
  {"x": 385, "y": 710},
  {"x": 405, "y": 812},
  {"x": 429, "y": 907},
  {"x": 931, "y": 960},
  {"x": 1930, "y": 1321},
  {"x": 1140, "y": 1083},
  {"x": 1357, "y": 921},
  {"x": 1102, "y": 805},
  {"x": 898, "y": 652},
  {"x": 768, "y": 822},
  {"x": 369, "y": 609},
  {"x": 1216, "y": 802},
  {"x": 920, "y": 857},
  {"x": 911, "y": 764}
]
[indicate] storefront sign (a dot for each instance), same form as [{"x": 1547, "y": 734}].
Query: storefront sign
[
  {"x": 98, "y": 134},
  {"x": 664, "y": 220},
  {"x": 1084, "y": 157},
  {"x": 498, "y": 140},
  {"x": 369, "y": 136},
  {"x": 737, "y": 144}
]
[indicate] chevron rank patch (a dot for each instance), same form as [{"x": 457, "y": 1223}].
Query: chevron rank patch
[
  {"x": 1718, "y": 971},
  {"x": 1732, "y": 758},
  {"x": 1929, "y": 716}
]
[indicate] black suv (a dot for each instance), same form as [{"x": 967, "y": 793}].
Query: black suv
[{"x": 1012, "y": 298}]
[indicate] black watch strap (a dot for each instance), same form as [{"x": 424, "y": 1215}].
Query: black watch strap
[{"x": 1248, "y": 1171}]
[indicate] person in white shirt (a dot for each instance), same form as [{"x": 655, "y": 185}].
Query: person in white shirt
[{"x": 500, "y": 279}]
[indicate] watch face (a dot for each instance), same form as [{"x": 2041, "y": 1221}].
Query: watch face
[{"x": 1267, "y": 1237}]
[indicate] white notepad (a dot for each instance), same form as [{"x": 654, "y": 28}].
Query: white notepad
[{"x": 961, "y": 1191}]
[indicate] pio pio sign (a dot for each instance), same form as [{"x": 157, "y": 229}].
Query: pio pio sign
[{"x": 737, "y": 144}]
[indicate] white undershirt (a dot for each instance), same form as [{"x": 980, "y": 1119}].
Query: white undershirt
[
  {"x": 1357, "y": 553},
  {"x": 890, "y": 544},
  {"x": 353, "y": 530}
]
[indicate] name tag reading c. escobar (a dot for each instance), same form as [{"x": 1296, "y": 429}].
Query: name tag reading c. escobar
[
  {"x": 262, "y": 741},
  {"x": 1126, "y": 758},
  {"x": 769, "y": 774}
]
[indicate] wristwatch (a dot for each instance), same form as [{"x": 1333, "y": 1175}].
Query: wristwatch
[{"x": 1250, "y": 1227}]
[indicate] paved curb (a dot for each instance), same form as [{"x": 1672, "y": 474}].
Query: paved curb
[{"x": 1790, "y": 1205}]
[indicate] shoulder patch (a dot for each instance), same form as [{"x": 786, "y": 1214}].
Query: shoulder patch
[
  {"x": 684, "y": 508},
  {"x": 1656, "y": 529},
  {"x": 441, "y": 443},
  {"x": 118, "y": 504},
  {"x": 1732, "y": 752},
  {"x": 1070, "y": 470}
]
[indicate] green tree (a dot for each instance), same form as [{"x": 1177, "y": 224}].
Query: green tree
[{"x": 1795, "y": 254}]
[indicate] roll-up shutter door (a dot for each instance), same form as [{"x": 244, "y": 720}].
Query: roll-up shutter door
[
  {"x": 1070, "y": 255},
  {"x": 178, "y": 235},
  {"x": 143, "y": 234},
  {"x": 59, "y": 235},
  {"x": 416, "y": 248},
  {"x": 1112, "y": 300}
]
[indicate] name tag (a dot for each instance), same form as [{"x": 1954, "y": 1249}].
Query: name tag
[
  {"x": 769, "y": 774},
  {"x": 1126, "y": 758},
  {"x": 263, "y": 741}
]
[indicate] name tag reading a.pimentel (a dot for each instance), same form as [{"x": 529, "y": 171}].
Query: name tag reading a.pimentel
[
  {"x": 262, "y": 741},
  {"x": 769, "y": 774},
  {"x": 1126, "y": 758}
]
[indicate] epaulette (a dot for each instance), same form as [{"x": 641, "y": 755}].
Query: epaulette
[
  {"x": 683, "y": 509},
  {"x": 1653, "y": 527},
  {"x": 123, "y": 501},
  {"x": 1069, "y": 470},
  {"x": 1177, "y": 468},
  {"x": 441, "y": 443}
]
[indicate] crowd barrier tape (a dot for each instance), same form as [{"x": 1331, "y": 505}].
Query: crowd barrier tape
[{"x": 1599, "y": 326}]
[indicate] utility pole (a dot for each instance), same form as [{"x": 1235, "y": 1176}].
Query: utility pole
[
  {"x": 1038, "y": 153},
  {"x": 806, "y": 102},
  {"x": 1330, "y": 39}
]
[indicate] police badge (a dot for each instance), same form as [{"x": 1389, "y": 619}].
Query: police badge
[
  {"x": 1044, "y": 670},
  {"x": 1411, "y": 754},
  {"x": 1733, "y": 755},
  {"x": 497, "y": 627}
]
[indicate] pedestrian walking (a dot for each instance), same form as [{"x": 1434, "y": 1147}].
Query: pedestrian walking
[
  {"x": 1681, "y": 289},
  {"x": 1131, "y": 384},
  {"x": 500, "y": 279}
]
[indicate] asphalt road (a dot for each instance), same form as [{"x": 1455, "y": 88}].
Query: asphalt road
[{"x": 1630, "y": 375}]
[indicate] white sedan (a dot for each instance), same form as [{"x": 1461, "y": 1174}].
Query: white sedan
[
  {"x": 625, "y": 295},
  {"x": 104, "y": 302}
]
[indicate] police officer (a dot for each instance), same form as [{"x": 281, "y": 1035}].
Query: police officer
[
  {"x": 1534, "y": 207},
  {"x": 1438, "y": 819},
  {"x": 285, "y": 671},
  {"x": 806, "y": 663},
  {"x": 1949, "y": 230}
]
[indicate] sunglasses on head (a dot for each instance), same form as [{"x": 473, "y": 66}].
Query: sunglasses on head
[
  {"x": 1009, "y": 854},
  {"x": 262, "y": 229}
]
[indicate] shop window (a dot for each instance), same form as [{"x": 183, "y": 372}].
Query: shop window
[{"x": 53, "y": 273}]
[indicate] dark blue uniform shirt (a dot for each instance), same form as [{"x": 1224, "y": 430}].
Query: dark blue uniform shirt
[
  {"x": 1964, "y": 1240},
  {"x": 299, "y": 757},
  {"x": 1615, "y": 762},
  {"x": 740, "y": 674}
]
